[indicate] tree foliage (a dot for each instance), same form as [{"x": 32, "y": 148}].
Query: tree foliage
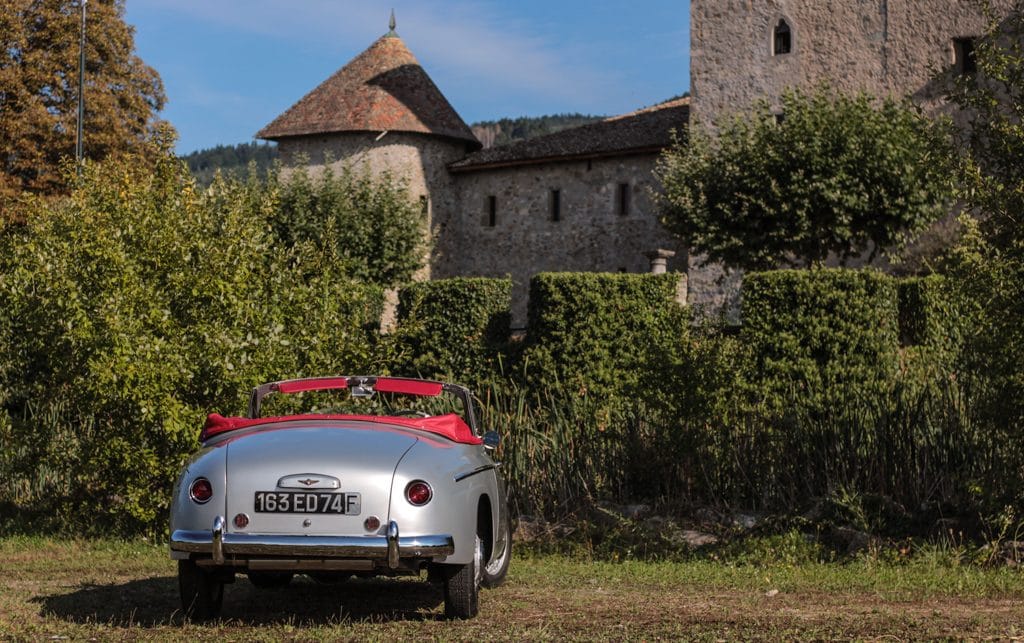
[
  {"x": 39, "y": 89},
  {"x": 137, "y": 305},
  {"x": 988, "y": 267},
  {"x": 371, "y": 228},
  {"x": 832, "y": 174}
]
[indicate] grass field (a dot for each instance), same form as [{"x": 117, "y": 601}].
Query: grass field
[{"x": 111, "y": 590}]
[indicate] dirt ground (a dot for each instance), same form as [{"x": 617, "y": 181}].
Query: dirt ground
[{"x": 110, "y": 591}]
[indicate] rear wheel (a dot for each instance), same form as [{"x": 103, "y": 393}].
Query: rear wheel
[
  {"x": 270, "y": 580},
  {"x": 202, "y": 591},
  {"x": 497, "y": 567},
  {"x": 462, "y": 586}
]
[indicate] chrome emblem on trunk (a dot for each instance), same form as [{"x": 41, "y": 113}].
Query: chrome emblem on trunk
[{"x": 308, "y": 481}]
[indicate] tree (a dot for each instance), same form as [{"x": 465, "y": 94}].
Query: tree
[
  {"x": 988, "y": 267},
  {"x": 370, "y": 227},
  {"x": 39, "y": 90},
  {"x": 831, "y": 174},
  {"x": 137, "y": 304}
]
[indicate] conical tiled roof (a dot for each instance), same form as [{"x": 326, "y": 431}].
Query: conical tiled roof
[{"x": 382, "y": 89}]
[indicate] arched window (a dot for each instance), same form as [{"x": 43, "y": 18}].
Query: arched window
[{"x": 782, "y": 42}]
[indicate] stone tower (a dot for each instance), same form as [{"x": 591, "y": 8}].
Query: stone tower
[
  {"x": 381, "y": 113},
  {"x": 745, "y": 50}
]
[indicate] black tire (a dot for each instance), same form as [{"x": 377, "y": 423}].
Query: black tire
[
  {"x": 202, "y": 591},
  {"x": 462, "y": 586},
  {"x": 496, "y": 569},
  {"x": 270, "y": 580}
]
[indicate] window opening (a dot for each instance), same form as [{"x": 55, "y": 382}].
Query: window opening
[
  {"x": 622, "y": 199},
  {"x": 424, "y": 205},
  {"x": 492, "y": 211},
  {"x": 556, "y": 205},
  {"x": 783, "y": 40},
  {"x": 966, "y": 59}
]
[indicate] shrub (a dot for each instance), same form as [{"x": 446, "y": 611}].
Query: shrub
[
  {"x": 454, "y": 328},
  {"x": 139, "y": 304},
  {"x": 371, "y": 228},
  {"x": 821, "y": 330},
  {"x": 596, "y": 333}
]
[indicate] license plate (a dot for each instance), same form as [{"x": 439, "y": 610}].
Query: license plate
[{"x": 307, "y": 502}]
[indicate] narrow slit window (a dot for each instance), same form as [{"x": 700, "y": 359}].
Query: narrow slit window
[
  {"x": 492, "y": 211},
  {"x": 966, "y": 58},
  {"x": 782, "y": 43},
  {"x": 622, "y": 199},
  {"x": 555, "y": 203},
  {"x": 424, "y": 205}
]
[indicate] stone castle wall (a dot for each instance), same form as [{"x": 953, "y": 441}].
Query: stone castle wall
[
  {"x": 883, "y": 47},
  {"x": 590, "y": 236}
]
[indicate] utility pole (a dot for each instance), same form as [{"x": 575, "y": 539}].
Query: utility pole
[{"x": 81, "y": 91}]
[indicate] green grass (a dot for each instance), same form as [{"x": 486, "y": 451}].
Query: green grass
[{"x": 113, "y": 590}]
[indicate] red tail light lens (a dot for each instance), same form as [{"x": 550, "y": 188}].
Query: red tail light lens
[
  {"x": 418, "y": 493},
  {"x": 201, "y": 491}
]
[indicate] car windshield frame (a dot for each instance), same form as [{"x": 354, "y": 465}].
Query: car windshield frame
[{"x": 366, "y": 386}]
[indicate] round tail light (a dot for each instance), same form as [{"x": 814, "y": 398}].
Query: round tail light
[
  {"x": 418, "y": 493},
  {"x": 201, "y": 491}
]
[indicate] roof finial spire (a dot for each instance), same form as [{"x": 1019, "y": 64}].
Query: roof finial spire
[{"x": 391, "y": 23}]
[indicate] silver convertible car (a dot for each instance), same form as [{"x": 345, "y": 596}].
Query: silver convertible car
[{"x": 340, "y": 476}]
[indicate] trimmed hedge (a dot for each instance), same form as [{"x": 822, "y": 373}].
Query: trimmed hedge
[
  {"x": 928, "y": 316},
  {"x": 454, "y": 328},
  {"x": 820, "y": 328},
  {"x": 599, "y": 332}
]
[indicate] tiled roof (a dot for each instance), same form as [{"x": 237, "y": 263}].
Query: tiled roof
[
  {"x": 382, "y": 89},
  {"x": 645, "y": 130}
]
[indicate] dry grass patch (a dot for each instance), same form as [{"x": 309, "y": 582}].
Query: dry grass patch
[{"x": 127, "y": 591}]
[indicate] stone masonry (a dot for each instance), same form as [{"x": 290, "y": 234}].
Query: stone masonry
[{"x": 591, "y": 233}]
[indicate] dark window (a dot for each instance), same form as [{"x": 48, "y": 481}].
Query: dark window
[
  {"x": 556, "y": 205},
  {"x": 492, "y": 211},
  {"x": 424, "y": 205},
  {"x": 780, "y": 118},
  {"x": 782, "y": 43},
  {"x": 622, "y": 198},
  {"x": 966, "y": 60}
]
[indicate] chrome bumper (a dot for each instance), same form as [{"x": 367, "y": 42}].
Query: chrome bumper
[{"x": 391, "y": 548}]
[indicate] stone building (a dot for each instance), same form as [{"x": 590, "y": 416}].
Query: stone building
[
  {"x": 580, "y": 200},
  {"x": 746, "y": 50}
]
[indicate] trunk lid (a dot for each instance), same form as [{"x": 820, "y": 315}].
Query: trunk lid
[{"x": 284, "y": 476}]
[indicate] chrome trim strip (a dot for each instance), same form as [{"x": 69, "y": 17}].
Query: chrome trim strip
[
  {"x": 217, "y": 536},
  {"x": 392, "y": 544},
  {"x": 375, "y": 547},
  {"x": 487, "y": 467}
]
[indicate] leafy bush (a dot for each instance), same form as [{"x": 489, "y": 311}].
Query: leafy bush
[
  {"x": 134, "y": 307},
  {"x": 454, "y": 328},
  {"x": 371, "y": 228},
  {"x": 821, "y": 330},
  {"x": 596, "y": 333}
]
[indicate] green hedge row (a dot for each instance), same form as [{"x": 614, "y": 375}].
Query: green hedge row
[
  {"x": 598, "y": 332},
  {"x": 453, "y": 328},
  {"x": 817, "y": 329}
]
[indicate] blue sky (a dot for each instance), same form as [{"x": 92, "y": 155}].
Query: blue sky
[{"x": 230, "y": 66}]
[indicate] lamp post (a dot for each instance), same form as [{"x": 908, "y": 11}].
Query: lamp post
[{"x": 81, "y": 90}]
